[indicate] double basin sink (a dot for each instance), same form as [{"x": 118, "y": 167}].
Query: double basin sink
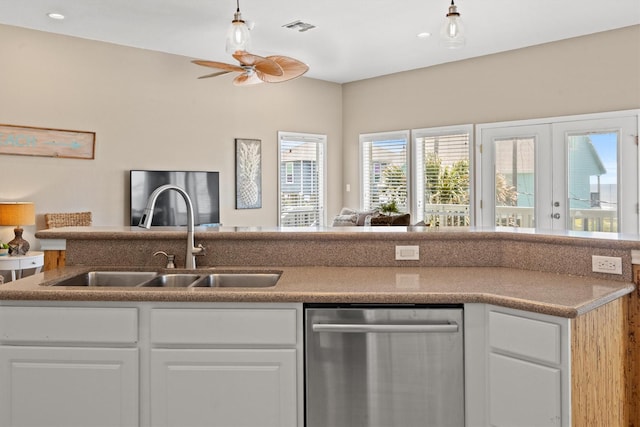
[{"x": 218, "y": 279}]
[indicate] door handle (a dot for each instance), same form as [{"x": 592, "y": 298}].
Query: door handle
[
  {"x": 555, "y": 216},
  {"x": 367, "y": 328}
]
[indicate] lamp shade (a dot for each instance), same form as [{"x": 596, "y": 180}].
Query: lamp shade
[{"x": 17, "y": 213}]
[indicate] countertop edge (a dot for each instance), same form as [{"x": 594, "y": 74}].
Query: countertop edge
[{"x": 34, "y": 288}]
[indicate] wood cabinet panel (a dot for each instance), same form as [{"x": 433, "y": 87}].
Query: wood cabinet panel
[{"x": 597, "y": 361}]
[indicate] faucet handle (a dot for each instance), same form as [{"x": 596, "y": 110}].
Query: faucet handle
[
  {"x": 170, "y": 258},
  {"x": 199, "y": 250}
]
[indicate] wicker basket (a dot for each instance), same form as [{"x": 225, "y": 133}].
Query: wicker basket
[{"x": 71, "y": 219}]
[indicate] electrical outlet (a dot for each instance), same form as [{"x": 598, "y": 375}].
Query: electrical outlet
[
  {"x": 606, "y": 264},
  {"x": 407, "y": 253}
]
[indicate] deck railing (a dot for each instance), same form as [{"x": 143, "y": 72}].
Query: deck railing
[
  {"x": 513, "y": 216},
  {"x": 300, "y": 217}
]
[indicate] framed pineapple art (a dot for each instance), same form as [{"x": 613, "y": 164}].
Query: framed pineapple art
[{"x": 248, "y": 174}]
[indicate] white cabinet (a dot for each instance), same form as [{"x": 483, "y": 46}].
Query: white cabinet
[
  {"x": 67, "y": 387},
  {"x": 525, "y": 371},
  {"x": 150, "y": 364},
  {"x": 226, "y": 367},
  {"x": 517, "y": 368},
  {"x": 522, "y": 393},
  {"x": 68, "y": 366},
  {"x": 223, "y": 387}
]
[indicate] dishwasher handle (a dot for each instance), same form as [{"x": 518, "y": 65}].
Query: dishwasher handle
[{"x": 375, "y": 328}]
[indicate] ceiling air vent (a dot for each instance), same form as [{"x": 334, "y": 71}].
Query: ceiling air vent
[{"x": 299, "y": 25}]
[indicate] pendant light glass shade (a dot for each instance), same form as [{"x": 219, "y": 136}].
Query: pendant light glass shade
[
  {"x": 452, "y": 33},
  {"x": 238, "y": 38}
]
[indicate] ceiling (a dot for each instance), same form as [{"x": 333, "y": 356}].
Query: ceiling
[{"x": 353, "y": 39}]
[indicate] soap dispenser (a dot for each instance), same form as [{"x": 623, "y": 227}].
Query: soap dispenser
[{"x": 170, "y": 258}]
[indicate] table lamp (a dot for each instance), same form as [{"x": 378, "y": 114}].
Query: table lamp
[{"x": 17, "y": 214}]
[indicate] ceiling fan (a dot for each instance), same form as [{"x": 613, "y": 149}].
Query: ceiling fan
[{"x": 255, "y": 69}]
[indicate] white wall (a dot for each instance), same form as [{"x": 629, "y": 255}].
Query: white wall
[
  {"x": 595, "y": 73},
  {"x": 149, "y": 111}
]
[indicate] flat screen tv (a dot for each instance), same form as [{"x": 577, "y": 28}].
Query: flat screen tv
[{"x": 203, "y": 188}]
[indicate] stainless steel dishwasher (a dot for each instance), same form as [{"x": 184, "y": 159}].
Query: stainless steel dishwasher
[{"x": 384, "y": 366}]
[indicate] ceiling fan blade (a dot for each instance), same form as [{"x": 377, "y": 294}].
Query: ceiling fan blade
[
  {"x": 218, "y": 65},
  {"x": 219, "y": 73},
  {"x": 292, "y": 68},
  {"x": 262, "y": 64},
  {"x": 246, "y": 80}
]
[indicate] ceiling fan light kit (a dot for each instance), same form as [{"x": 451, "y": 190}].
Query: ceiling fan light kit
[
  {"x": 254, "y": 69},
  {"x": 452, "y": 32},
  {"x": 238, "y": 37}
]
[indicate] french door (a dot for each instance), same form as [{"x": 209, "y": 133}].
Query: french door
[{"x": 565, "y": 174}]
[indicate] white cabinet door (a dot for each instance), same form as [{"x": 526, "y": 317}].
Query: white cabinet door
[
  {"x": 67, "y": 387},
  {"x": 523, "y": 394},
  {"x": 223, "y": 387}
]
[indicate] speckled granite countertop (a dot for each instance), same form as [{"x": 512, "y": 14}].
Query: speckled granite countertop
[{"x": 542, "y": 292}]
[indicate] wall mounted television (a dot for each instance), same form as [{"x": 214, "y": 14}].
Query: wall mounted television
[{"x": 203, "y": 188}]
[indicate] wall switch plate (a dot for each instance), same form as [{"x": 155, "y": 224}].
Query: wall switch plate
[
  {"x": 606, "y": 264},
  {"x": 407, "y": 253}
]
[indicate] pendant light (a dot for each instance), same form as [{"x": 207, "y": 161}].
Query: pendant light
[
  {"x": 238, "y": 38},
  {"x": 452, "y": 33}
]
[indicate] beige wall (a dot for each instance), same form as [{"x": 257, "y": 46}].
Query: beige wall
[
  {"x": 595, "y": 73},
  {"x": 149, "y": 112}
]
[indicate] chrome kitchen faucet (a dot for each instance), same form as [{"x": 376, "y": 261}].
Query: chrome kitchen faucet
[{"x": 147, "y": 217}]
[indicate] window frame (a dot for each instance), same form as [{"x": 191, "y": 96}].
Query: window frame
[
  {"x": 321, "y": 140},
  {"x": 416, "y": 210},
  {"x": 384, "y": 136}
]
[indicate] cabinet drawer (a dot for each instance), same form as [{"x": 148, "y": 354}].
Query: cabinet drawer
[
  {"x": 68, "y": 325},
  {"x": 536, "y": 339},
  {"x": 31, "y": 262},
  {"x": 523, "y": 393},
  {"x": 224, "y": 326}
]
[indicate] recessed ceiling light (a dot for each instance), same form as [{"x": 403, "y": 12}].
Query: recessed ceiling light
[
  {"x": 424, "y": 35},
  {"x": 55, "y": 15}
]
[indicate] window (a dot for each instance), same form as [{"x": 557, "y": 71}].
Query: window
[
  {"x": 302, "y": 179},
  {"x": 441, "y": 182},
  {"x": 289, "y": 168},
  {"x": 573, "y": 173},
  {"x": 384, "y": 170}
]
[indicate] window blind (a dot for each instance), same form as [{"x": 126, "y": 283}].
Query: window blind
[
  {"x": 302, "y": 177},
  {"x": 442, "y": 176},
  {"x": 384, "y": 166}
]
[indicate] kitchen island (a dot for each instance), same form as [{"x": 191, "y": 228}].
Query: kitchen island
[{"x": 539, "y": 326}]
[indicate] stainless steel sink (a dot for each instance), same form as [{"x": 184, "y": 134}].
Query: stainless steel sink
[
  {"x": 109, "y": 278},
  {"x": 219, "y": 279},
  {"x": 239, "y": 279},
  {"x": 180, "y": 280}
]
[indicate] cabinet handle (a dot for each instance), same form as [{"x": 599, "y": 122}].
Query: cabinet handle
[{"x": 342, "y": 328}]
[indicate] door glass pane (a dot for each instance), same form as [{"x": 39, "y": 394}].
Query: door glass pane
[
  {"x": 515, "y": 182},
  {"x": 592, "y": 181}
]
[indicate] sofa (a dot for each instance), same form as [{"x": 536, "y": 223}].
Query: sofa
[{"x": 353, "y": 218}]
